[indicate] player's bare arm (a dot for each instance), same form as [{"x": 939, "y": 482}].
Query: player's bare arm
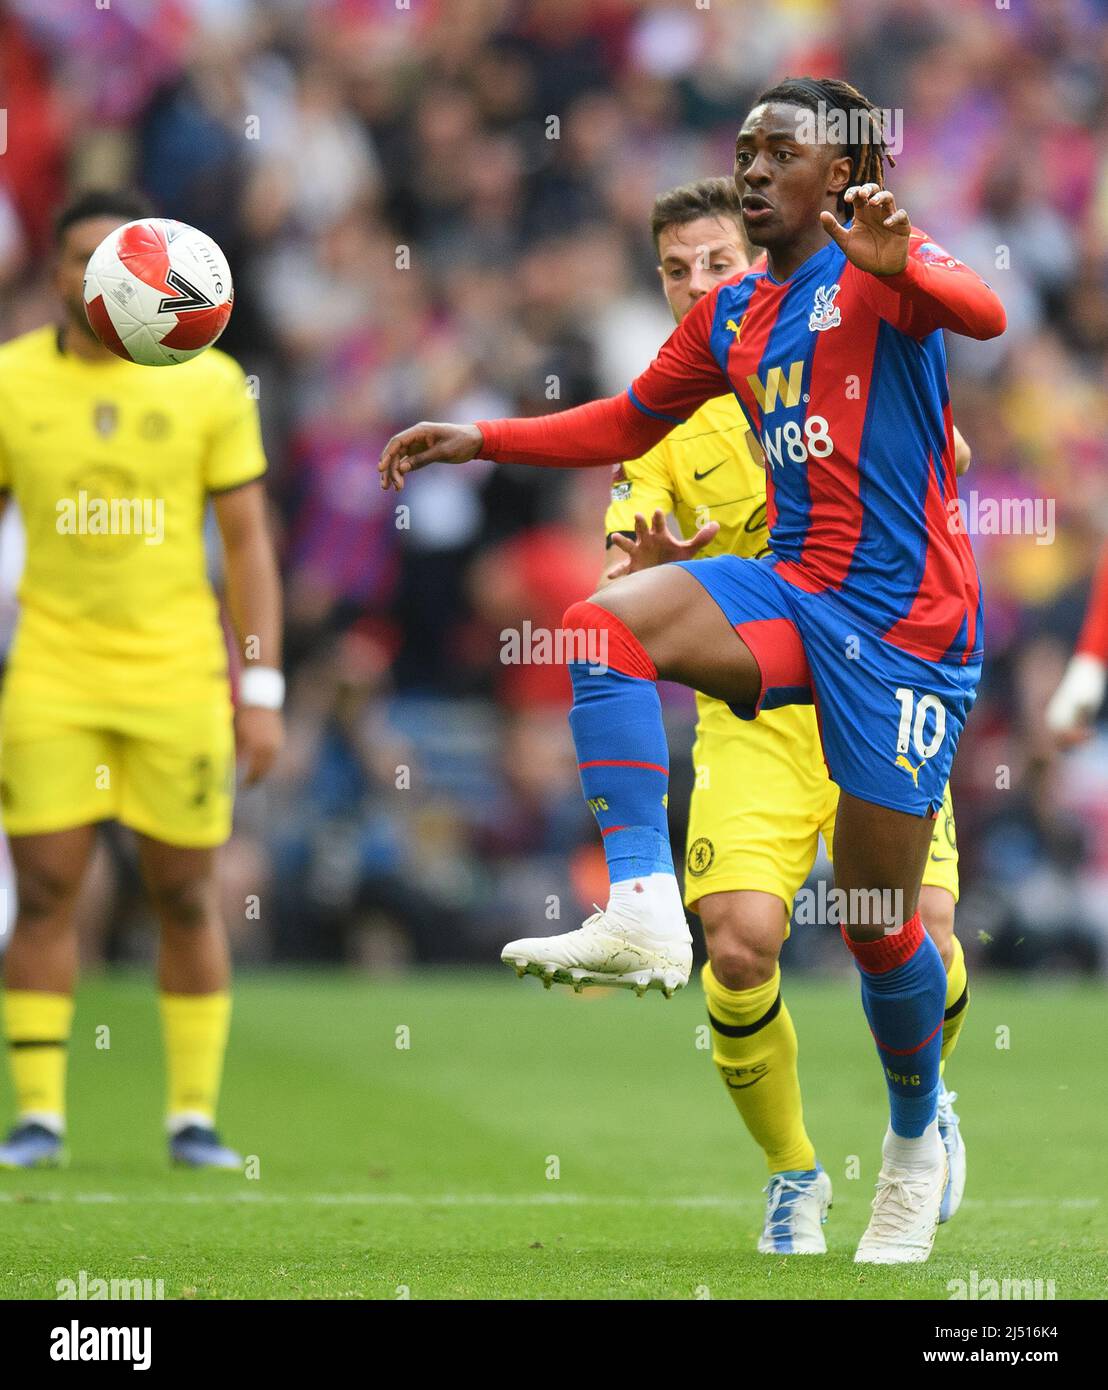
[{"x": 254, "y": 602}]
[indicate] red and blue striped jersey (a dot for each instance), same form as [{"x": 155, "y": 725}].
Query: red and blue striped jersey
[{"x": 842, "y": 376}]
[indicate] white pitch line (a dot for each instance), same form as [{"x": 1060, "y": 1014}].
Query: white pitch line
[{"x": 465, "y": 1199}]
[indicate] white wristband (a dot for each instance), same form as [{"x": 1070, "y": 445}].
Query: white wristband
[
  {"x": 262, "y": 686},
  {"x": 1079, "y": 696}
]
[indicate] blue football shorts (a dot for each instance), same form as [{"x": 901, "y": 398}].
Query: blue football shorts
[{"x": 889, "y": 721}]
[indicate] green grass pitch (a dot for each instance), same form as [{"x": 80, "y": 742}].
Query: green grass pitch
[{"x": 525, "y": 1144}]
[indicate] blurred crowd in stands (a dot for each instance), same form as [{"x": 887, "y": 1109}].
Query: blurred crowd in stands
[{"x": 438, "y": 209}]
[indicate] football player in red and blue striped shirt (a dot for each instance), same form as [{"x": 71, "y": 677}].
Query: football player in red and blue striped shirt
[{"x": 869, "y": 605}]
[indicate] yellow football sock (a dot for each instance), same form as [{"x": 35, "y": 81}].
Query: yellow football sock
[
  {"x": 957, "y": 1001},
  {"x": 195, "y": 1028},
  {"x": 36, "y": 1026},
  {"x": 754, "y": 1047}
]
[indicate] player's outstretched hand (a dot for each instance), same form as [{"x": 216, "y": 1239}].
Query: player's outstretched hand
[
  {"x": 426, "y": 443},
  {"x": 259, "y": 737},
  {"x": 656, "y": 545},
  {"x": 877, "y": 238}
]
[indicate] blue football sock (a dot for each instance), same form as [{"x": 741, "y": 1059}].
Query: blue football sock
[
  {"x": 622, "y": 754},
  {"x": 903, "y": 996}
]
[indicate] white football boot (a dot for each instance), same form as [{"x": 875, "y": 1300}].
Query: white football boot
[
  {"x": 905, "y": 1215},
  {"x": 951, "y": 1135},
  {"x": 796, "y": 1208},
  {"x": 648, "y": 948}
]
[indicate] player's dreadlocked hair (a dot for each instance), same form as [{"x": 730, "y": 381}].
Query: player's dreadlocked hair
[{"x": 866, "y": 143}]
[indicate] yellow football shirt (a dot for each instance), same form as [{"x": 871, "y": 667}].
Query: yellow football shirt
[
  {"x": 707, "y": 469},
  {"x": 111, "y": 465}
]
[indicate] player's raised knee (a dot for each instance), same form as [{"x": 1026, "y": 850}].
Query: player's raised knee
[{"x": 605, "y": 640}]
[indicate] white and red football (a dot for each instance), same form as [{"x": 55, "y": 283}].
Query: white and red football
[{"x": 158, "y": 292}]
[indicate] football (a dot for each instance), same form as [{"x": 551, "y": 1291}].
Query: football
[{"x": 158, "y": 292}]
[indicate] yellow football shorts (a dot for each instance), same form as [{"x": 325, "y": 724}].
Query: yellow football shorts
[
  {"x": 762, "y": 798},
  {"x": 165, "y": 771}
]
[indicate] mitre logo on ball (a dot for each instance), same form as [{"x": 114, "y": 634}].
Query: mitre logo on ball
[{"x": 158, "y": 292}]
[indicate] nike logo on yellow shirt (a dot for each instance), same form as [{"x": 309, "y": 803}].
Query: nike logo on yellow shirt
[{"x": 699, "y": 477}]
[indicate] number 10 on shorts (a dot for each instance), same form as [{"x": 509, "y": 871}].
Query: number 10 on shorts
[{"x": 915, "y": 726}]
